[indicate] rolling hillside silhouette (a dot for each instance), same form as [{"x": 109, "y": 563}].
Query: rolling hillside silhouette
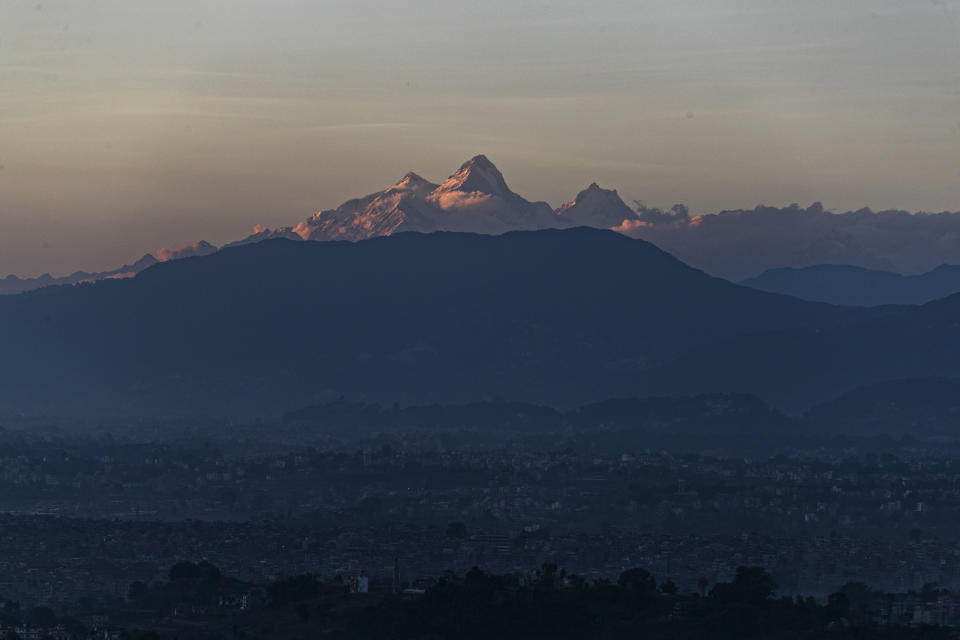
[{"x": 560, "y": 317}]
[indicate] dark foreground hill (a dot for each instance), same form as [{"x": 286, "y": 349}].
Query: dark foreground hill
[
  {"x": 704, "y": 414},
  {"x": 922, "y": 407},
  {"x": 925, "y": 409},
  {"x": 849, "y": 285},
  {"x": 556, "y": 317},
  {"x": 797, "y": 368}
]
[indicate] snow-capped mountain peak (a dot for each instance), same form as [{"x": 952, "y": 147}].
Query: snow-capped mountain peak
[
  {"x": 475, "y": 198},
  {"x": 478, "y": 175},
  {"x": 415, "y": 184},
  {"x": 596, "y": 207}
]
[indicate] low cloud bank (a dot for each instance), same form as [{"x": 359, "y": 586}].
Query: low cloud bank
[{"x": 743, "y": 243}]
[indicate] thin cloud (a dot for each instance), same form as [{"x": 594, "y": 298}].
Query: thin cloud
[{"x": 353, "y": 126}]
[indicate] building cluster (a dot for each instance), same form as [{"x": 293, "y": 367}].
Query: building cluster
[
  {"x": 86, "y": 519},
  {"x": 84, "y": 564}
]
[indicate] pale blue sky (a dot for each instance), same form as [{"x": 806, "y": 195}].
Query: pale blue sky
[{"x": 126, "y": 125}]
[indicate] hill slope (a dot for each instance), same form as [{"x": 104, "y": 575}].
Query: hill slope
[
  {"x": 560, "y": 317},
  {"x": 849, "y": 285},
  {"x": 917, "y": 407},
  {"x": 797, "y": 368}
]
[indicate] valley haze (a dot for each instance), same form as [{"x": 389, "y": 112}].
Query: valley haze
[{"x": 284, "y": 354}]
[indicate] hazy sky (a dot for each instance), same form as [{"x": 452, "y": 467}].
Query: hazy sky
[{"x": 126, "y": 125}]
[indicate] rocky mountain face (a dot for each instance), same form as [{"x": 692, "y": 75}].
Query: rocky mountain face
[
  {"x": 476, "y": 198},
  {"x": 596, "y": 207}
]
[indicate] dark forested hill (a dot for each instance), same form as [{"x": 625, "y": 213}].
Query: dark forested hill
[
  {"x": 797, "y": 368},
  {"x": 559, "y": 317},
  {"x": 918, "y": 407},
  {"x": 849, "y": 285}
]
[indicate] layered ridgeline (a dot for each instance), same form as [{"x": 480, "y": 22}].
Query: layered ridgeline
[
  {"x": 12, "y": 284},
  {"x": 797, "y": 368},
  {"x": 732, "y": 244},
  {"x": 845, "y": 284},
  {"x": 722, "y": 414},
  {"x": 475, "y": 198},
  {"x": 559, "y": 317},
  {"x": 921, "y": 409}
]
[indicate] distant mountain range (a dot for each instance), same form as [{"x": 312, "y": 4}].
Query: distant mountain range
[
  {"x": 13, "y": 284},
  {"x": 475, "y": 198},
  {"x": 554, "y": 317},
  {"x": 559, "y": 317},
  {"x": 735, "y": 424},
  {"x": 795, "y": 369},
  {"x": 732, "y": 244},
  {"x": 845, "y": 284},
  {"x": 723, "y": 413},
  {"x": 920, "y": 408}
]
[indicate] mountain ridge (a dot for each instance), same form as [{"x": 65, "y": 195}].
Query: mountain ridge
[
  {"x": 852, "y": 285},
  {"x": 12, "y": 284},
  {"x": 735, "y": 244},
  {"x": 555, "y": 316},
  {"x": 475, "y": 198}
]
